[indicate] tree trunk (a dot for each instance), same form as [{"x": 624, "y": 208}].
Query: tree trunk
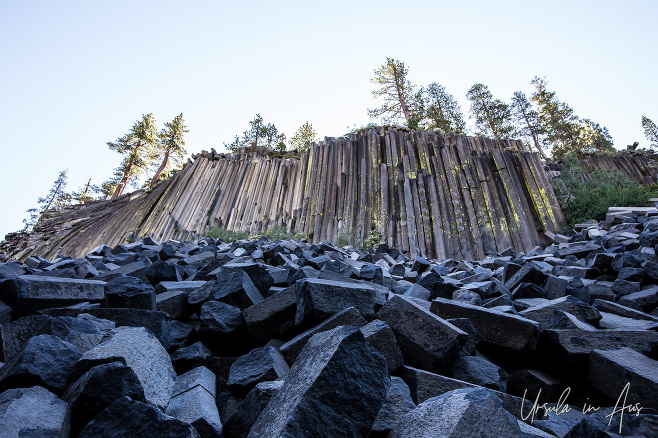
[
  {"x": 53, "y": 197},
  {"x": 403, "y": 104},
  {"x": 488, "y": 115},
  {"x": 160, "y": 169},
  {"x": 122, "y": 182},
  {"x": 534, "y": 136},
  {"x": 84, "y": 194}
]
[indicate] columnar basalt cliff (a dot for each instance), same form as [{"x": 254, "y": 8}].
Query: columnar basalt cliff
[{"x": 436, "y": 196}]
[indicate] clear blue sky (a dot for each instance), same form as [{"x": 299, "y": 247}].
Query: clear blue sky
[{"x": 76, "y": 74}]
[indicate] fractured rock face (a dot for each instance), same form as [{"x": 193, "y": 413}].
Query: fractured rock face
[
  {"x": 26, "y": 412},
  {"x": 141, "y": 351},
  {"x": 335, "y": 388}
]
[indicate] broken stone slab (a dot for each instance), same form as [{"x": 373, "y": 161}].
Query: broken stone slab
[
  {"x": 601, "y": 290},
  {"x": 33, "y": 412},
  {"x": 426, "y": 340},
  {"x": 528, "y": 273},
  {"x": 350, "y": 316},
  {"x": 98, "y": 388},
  {"x": 565, "y": 320},
  {"x": 29, "y": 293},
  {"x": 528, "y": 383},
  {"x": 258, "y": 274},
  {"x": 567, "y": 351},
  {"x": 187, "y": 286},
  {"x": 439, "y": 285},
  {"x": 239, "y": 424},
  {"x": 610, "y": 321},
  {"x": 129, "y": 292},
  {"x": 544, "y": 312},
  {"x": 130, "y": 418},
  {"x": 379, "y": 335},
  {"x": 644, "y": 300},
  {"x": 318, "y": 299},
  {"x": 173, "y": 303},
  {"x": 611, "y": 370},
  {"x": 162, "y": 271},
  {"x": 156, "y": 322},
  {"x": 424, "y": 385},
  {"x": 398, "y": 403},
  {"x": 15, "y": 334},
  {"x": 143, "y": 353},
  {"x": 417, "y": 291},
  {"x": 259, "y": 365},
  {"x": 479, "y": 371},
  {"x": 193, "y": 402},
  {"x": 265, "y": 318},
  {"x": 497, "y": 328},
  {"x": 339, "y": 381},
  {"x": 221, "y": 324},
  {"x": 188, "y": 358},
  {"x": 617, "y": 309},
  {"x": 235, "y": 287},
  {"x": 459, "y": 413},
  {"x": 46, "y": 361}
]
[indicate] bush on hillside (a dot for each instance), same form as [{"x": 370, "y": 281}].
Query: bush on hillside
[{"x": 585, "y": 195}]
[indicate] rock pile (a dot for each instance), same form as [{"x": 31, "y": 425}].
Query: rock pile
[{"x": 286, "y": 338}]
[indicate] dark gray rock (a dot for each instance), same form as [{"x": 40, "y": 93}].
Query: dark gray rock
[
  {"x": 33, "y": 412},
  {"x": 439, "y": 285},
  {"x": 528, "y": 273},
  {"x": 130, "y": 418},
  {"x": 29, "y": 293},
  {"x": 398, "y": 403},
  {"x": 424, "y": 385},
  {"x": 625, "y": 287},
  {"x": 173, "y": 303},
  {"x": 611, "y": 370},
  {"x": 15, "y": 334},
  {"x": 221, "y": 323},
  {"x": 259, "y": 365},
  {"x": 556, "y": 287},
  {"x": 567, "y": 351},
  {"x": 474, "y": 335},
  {"x": 241, "y": 422},
  {"x": 162, "y": 271},
  {"x": 193, "y": 402},
  {"x": 235, "y": 287},
  {"x": 265, "y": 318},
  {"x": 565, "y": 320},
  {"x": 82, "y": 333},
  {"x": 318, "y": 299},
  {"x": 46, "y": 361},
  {"x": 460, "y": 413},
  {"x": 417, "y": 291},
  {"x": 187, "y": 286},
  {"x": 529, "y": 290},
  {"x": 467, "y": 296},
  {"x": 544, "y": 312},
  {"x": 479, "y": 371},
  {"x": 617, "y": 309},
  {"x": 379, "y": 335},
  {"x": 129, "y": 292},
  {"x": 528, "y": 383},
  {"x": 98, "y": 388},
  {"x": 156, "y": 322},
  {"x": 143, "y": 353},
  {"x": 645, "y": 300},
  {"x": 188, "y": 358},
  {"x": 350, "y": 316},
  {"x": 258, "y": 274},
  {"x": 335, "y": 388},
  {"x": 497, "y": 328},
  {"x": 426, "y": 340}
]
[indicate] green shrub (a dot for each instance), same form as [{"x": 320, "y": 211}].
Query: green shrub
[
  {"x": 227, "y": 236},
  {"x": 347, "y": 238},
  {"x": 587, "y": 195},
  {"x": 374, "y": 240}
]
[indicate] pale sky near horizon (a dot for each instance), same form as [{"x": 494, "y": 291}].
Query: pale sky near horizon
[{"x": 77, "y": 74}]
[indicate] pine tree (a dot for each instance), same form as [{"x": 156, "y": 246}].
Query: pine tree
[
  {"x": 650, "y": 132},
  {"x": 56, "y": 199},
  {"x": 527, "y": 120},
  {"x": 565, "y": 131},
  {"x": 396, "y": 90},
  {"x": 259, "y": 135},
  {"x": 137, "y": 149},
  {"x": 303, "y": 138},
  {"x": 442, "y": 111},
  {"x": 493, "y": 117},
  {"x": 170, "y": 146},
  {"x": 83, "y": 194}
]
